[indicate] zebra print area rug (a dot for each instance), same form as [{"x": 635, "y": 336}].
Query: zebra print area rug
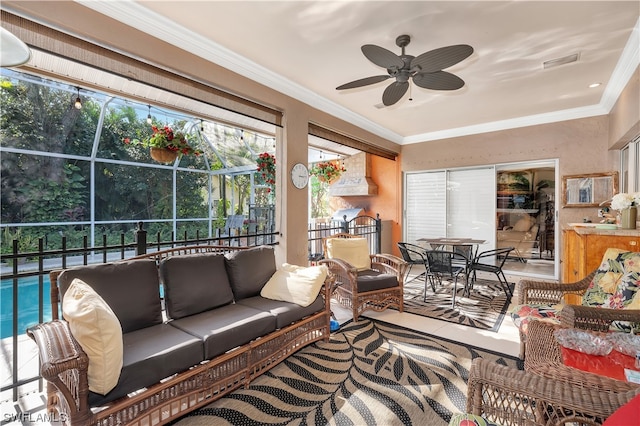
[
  {"x": 483, "y": 309},
  {"x": 369, "y": 373}
]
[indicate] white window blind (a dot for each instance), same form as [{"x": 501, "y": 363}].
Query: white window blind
[
  {"x": 471, "y": 204},
  {"x": 425, "y": 205}
]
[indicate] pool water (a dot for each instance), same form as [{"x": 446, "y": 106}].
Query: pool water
[{"x": 28, "y": 304}]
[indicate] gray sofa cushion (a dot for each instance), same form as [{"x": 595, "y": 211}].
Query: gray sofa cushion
[
  {"x": 150, "y": 355},
  {"x": 370, "y": 280},
  {"x": 285, "y": 312},
  {"x": 249, "y": 270},
  {"x": 194, "y": 284},
  {"x": 130, "y": 288},
  {"x": 226, "y": 327}
]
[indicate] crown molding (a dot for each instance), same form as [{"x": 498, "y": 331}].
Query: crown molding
[
  {"x": 531, "y": 120},
  {"x": 626, "y": 66}
]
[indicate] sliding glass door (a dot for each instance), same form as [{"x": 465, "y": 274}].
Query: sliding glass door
[
  {"x": 450, "y": 203},
  {"x": 507, "y": 205}
]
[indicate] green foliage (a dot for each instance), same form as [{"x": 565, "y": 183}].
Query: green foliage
[
  {"x": 40, "y": 187},
  {"x": 319, "y": 198},
  {"x": 55, "y": 201}
]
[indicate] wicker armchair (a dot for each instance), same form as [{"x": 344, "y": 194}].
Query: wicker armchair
[
  {"x": 512, "y": 397},
  {"x": 377, "y": 288},
  {"x": 574, "y": 316},
  {"x": 532, "y": 292}
]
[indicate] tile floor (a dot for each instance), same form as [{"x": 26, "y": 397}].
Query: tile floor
[{"x": 30, "y": 408}]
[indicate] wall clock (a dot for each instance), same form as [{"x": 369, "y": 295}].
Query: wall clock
[{"x": 299, "y": 175}]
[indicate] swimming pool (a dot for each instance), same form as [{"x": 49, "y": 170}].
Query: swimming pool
[{"x": 28, "y": 304}]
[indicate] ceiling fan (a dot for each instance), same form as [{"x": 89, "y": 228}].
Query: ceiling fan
[{"x": 424, "y": 70}]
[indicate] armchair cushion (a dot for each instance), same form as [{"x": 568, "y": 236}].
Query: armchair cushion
[
  {"x": 369, "y": 280},
  {"x": 354, "y": 251},
  {"x": 295, "y": 284},
  {"x": 98, "y": 331}
]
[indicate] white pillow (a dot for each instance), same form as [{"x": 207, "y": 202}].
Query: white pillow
[
  {"x": 295, "y": 284},
  {"x": 352, "y": 250},
  {"x": 98, "y": 331}
]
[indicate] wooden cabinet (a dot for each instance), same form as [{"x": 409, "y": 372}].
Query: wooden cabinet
[{"x": 584, "y": 247}]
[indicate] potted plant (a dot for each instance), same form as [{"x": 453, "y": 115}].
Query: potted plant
[
  {"x": 165, "y": 145},
  {"x": 267, "y": 169},
  {"x": 327, "y": 171}
]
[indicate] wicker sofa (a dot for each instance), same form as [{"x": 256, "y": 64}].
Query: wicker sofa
[{"x": 214, "y": 334}]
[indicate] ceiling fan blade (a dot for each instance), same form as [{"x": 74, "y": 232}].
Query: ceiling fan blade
[
  {"x": 363, "y": 82},
  {"x": 381, "y": 57},
  {"x": 440, "y": 80},
  {"x": 394, "y": 92},
  {"x": 444, "y": 57}
]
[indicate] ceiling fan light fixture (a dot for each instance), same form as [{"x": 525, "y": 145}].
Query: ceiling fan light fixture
[{"x": 552, "y": 63}]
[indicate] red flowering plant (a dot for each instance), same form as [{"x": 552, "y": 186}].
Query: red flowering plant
[
  {"x": 166, "y": 138},
  {"x": 267, "y": 169},
  {"x": 327, "y": 171}
]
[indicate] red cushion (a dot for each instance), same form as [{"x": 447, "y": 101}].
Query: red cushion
[{"x": 626, "y": 415}]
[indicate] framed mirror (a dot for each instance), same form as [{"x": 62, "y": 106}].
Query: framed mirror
[{"x": 588, "y": 190}]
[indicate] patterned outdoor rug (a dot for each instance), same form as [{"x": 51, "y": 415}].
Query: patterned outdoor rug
[
  {"x": 369, "y": 373},
  {"x": 484, "y": 308}
]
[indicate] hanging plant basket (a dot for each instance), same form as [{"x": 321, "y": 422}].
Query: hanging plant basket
[{"x": 163, "y": 155}]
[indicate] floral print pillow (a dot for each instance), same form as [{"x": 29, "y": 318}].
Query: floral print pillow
[
  {"x": 616, "y": 282},
  {"x": 616, "y": 285}
]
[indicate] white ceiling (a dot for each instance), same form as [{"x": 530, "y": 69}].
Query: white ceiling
[{"x": 306, "y": 49}]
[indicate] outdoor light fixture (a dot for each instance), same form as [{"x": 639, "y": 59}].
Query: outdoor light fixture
[
  {"x": 78, "y": 102},
  {"x": 149, "y": 121}
]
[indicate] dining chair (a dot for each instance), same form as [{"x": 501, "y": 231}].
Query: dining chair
[
  {"x": 440, "y": 265},
  {"x": 491, "y": 261},
  {"x": 411, "y": 254}
]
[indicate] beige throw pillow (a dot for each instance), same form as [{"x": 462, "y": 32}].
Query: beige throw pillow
[
  {"x": 295, "y": 284},
  {"x": 98, "y": 331},
  {"x": 352, "y": 250}
]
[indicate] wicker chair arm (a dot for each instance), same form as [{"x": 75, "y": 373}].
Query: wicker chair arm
[
  {"x": 342, "y": 272},
  {"x": 545, "y": 292},
  {"x": 388, "y": 264},
  {"x": 597, "y": 319},
  {"x": 59, "y": 350},
  {"x": 65, "y": 365},
  {"x": 502, "y": 394}
]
